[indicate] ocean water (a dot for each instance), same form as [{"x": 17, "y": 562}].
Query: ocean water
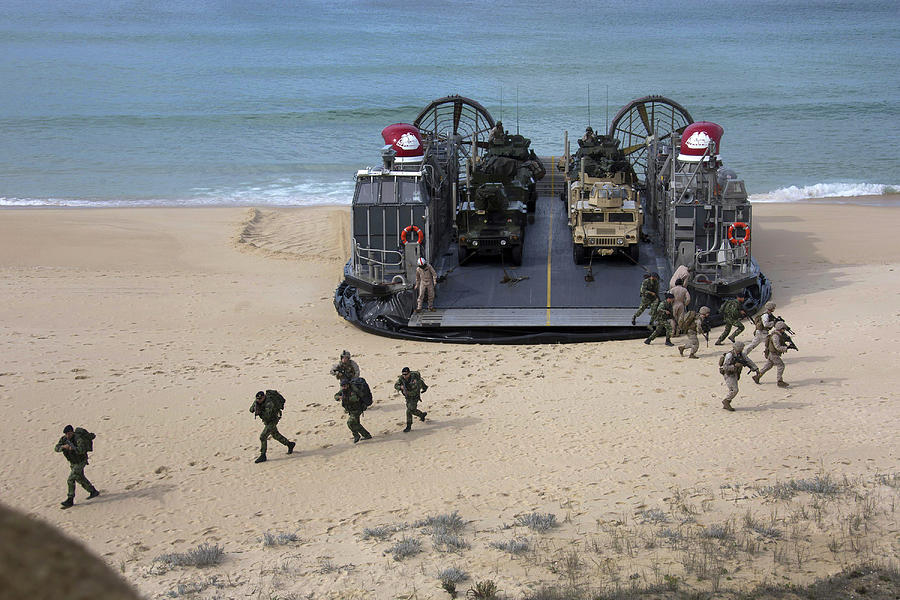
[{"x": 262, "y": 102}]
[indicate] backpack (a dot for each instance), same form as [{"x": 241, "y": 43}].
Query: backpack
[
  {"x": 722, "y": 363},
  {"x": 362, "y": 390},
  {"x": 686, "y": 320},
  {"x": 87, "y": 436},
  {"x": 276, "y": 398}
]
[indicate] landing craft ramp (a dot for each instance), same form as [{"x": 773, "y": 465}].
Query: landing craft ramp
[{"x": 547, "y": 291}]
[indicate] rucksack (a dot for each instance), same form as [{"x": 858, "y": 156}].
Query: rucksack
[
  {"x": 686, "y": 319},
  {"x": 362, "y": 390},
  {"x": 276, "y": 398},
  {"x": 87, "y": 436}
]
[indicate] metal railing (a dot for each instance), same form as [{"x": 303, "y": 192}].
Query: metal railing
[
  {"x": 373, "y": 263},
  {"x": 722, "y": 263}
]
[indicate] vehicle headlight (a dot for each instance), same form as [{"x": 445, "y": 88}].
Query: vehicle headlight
[
  {"x": 474, "y": 242},
  {"x": 502, "y": 242},
  {"x": 620, "y": 241}
]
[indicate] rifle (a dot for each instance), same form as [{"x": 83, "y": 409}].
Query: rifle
[
  {"x": 740, "y": 359},
  {"x": 788, "y": 341},
  {"x": 705, "y": 330},
  {"x": 786, "y": 326}
]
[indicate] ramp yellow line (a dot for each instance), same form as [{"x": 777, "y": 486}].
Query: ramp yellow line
[{"x": 549, "y": 254}]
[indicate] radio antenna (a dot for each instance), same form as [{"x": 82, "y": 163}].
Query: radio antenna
[
  {"x": 517, "y": 110},
  {"x": 589, "y": 105},
  {"x": 501, "y": 102},
  {"x": 607, "y": 107}
]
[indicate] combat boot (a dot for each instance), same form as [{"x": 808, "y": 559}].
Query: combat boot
[
  {"x": 422, "y": 418},
  {"x": 67, "y": 503},
  {"x": 632, "y": 321},
  {"x": 94, "y": 493},
  {"x": 727, "y": 405},
  {"x": 355, "y": 438},
  {"x": 367, "y": 436},
  {"x": 291, "y": 447},
  {"x": 719, "y": 343},
  {"x": 681, "y": 351},
  {"x": 647, "y": 341},
  {"x": 262, "y": 458},
  {"x": 694, "y": 356},
  {"x": 756, "y": 379},
  {"x": 669, "y": 342},
  {"x": 407, "y": 429},
  {"x": 783, "y": 384}
]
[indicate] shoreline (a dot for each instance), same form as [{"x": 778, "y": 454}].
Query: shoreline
[{"x": 886, "y": 200}]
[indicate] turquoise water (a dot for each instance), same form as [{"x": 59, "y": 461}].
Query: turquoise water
[{"x": 228, "y": 102}]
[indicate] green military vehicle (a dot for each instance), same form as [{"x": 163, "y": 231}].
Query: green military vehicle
[
  {"x": 605, "y": 214},
  {"x": 500, "y": 193}
]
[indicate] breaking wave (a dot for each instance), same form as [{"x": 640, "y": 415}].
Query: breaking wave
[
  {"x": 825, "y": 190},
  {"x": 281, "y": 193}
]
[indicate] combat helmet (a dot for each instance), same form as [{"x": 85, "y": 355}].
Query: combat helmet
[
  {"x": 770, "y": 305},
  {"x": 780, "y": 325},
  {"x": 704, "y": 310},
  {"x": 345, "y": 353},
  {"x": 738, "y": 347}
]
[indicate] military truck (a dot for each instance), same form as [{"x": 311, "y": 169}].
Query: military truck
[
  {"x": 500, "y": 193},
  {"x": 604, "y": 207}
]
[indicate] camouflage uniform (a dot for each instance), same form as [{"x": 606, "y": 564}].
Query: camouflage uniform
[
  {"x": 693, "y": 325},
  {"x": 663, "y": 323},
  {"x": 270, "y": 414},
  {"x": 412, "y": 389},
  {"x": 78, "y": 460},
  {"x": 764, "y": 325},
  {"x": 498, "y": 135},
  {"x": 732, "y": 312},
  {"x": 649, "y": 297},
  {"x": 731, "y": 371},
  {"x": 345, "y": 370},
  {"x": 354, "y": 407},
  {"x": 775, "y": 347}
]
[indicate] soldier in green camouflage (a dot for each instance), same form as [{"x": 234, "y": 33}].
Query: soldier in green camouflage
[
  {"x": 692, "y": 324},
  {"x": 354, "y": 407},
  {"x": 664, "y": 317},
  {"x": 411, "y": 385},
  {"x": 346, "y": 368},
  {"x": 732, "y": 313},
  {"x": 649, "y": 295},
  {"x": 75, "y": 448},
  {"x": 267, "y": 407}
]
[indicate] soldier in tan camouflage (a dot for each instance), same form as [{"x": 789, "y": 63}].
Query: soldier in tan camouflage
[
  {"x": 692, "y": 324},
  {"x": 775, "y": 347},
  {"x": 730, "y": 366},
  {"x": 346, "y": 368},
  {"x": 764, "y": 325}
]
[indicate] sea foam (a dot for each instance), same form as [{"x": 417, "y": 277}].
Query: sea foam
[{"x": 825, "y": 190}]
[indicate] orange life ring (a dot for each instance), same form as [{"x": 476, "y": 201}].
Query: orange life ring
[
  {"x": 742, "y": 240},
  {"x": 411, "y": 229}
]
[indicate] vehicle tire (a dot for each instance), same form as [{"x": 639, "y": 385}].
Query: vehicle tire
[
  {"x": 463, "y": 254},
  {"x": 515, "y": 256},
  {"x": 635, "y": 252},
  {"x": 578, "y": 253}
]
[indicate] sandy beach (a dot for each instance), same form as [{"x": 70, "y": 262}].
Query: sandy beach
[{"x": 155, "y": 327}]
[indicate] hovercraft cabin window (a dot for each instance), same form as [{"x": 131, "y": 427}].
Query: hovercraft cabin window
[{"x": 375, "y": 190}]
